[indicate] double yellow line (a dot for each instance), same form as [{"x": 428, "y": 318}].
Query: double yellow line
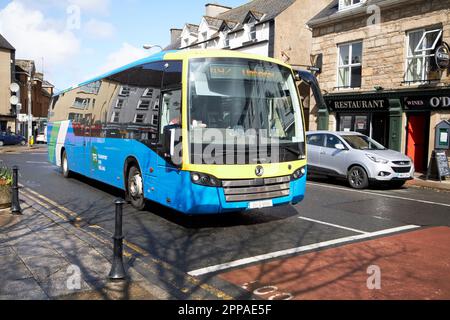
[{"x": 70, "y": 215}]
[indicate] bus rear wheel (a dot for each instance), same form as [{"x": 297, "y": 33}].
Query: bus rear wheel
[
  {"x": 65, "y": 165},
  {"x": 136, "y": 188}
]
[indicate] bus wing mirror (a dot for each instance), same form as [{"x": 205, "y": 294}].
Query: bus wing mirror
[{"x": 311, "y": 80}]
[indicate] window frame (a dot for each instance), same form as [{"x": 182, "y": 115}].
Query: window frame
[
  {"x": 147, "y": 91},
  {"x": 136, "y": 117},
  {"x": 421, "y": 55},
  {"x": 117, "y": 103},
  {"x": 141, "y": 101},
  {"x": 321, "y": 135},
  {"x": 113, "y": 117},
  {"x": 350, "y": 65},
  {"x": 343, "y": 6}
]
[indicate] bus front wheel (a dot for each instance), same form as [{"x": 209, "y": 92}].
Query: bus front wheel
[{"x": 136, "y": 188}]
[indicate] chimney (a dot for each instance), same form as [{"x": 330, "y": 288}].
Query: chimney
[
  {"x": 175, "y": 34},
  {"x": 213, "y": 9}
]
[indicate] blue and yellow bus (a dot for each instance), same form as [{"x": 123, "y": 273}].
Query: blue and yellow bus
[{"x": 199, "y": 131}]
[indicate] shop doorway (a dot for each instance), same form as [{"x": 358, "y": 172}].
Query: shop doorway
[
  {"x": 418, "y": 130},
  {"x": 380, "y": 128}
]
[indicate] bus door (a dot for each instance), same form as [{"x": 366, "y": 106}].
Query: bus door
[{"x": 169, "y": 117}]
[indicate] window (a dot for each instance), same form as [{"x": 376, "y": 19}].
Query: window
[
  {"x": 155, "y": 119},
  {"x": 156, "y": 105},
  {"x": 148, "y": 93},
  {"x": 350, "y": 67},
  {"x": 225, "y": 39},
  {"x": 143, "y": 104},
  {"x": 92, "y": 87},
  {"x": 315, "y": 140},
  {"x": 421, "y": 44},
  {"x": 139, "y": 118},
  {"x": 347, "y": 4},
  {"x": 120, "y": 103},
  {"x": 124, "y": 91},
  {"x": 81, "y": 103},
  {"x": 252, "y": 32},
  {"x": 115, "y": 117},
  {"x": 332, "y": 141},
  {"x": 171, "y": 109}
]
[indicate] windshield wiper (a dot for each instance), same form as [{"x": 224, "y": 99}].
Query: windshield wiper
[{"x": 296, "y": 152}]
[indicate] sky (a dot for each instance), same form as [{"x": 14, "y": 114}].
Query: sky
[{"x": 75, "y": 40}]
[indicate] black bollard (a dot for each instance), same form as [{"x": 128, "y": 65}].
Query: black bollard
[
  {"x": 117, "y": 269},
  {"x": 15, "y": 203}
]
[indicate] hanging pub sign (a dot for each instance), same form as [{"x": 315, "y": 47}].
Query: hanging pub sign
[
  {"x": 357, "y": 104},
  {"x": 442, "y": 57}
]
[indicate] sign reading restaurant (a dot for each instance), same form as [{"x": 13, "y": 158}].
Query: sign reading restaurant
[{"x": 358, "y": 104}]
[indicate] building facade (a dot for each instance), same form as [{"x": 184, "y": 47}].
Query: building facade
[
  {"x": 41, "y": 94},
  {"x": 7, "y": 57},
  {"x": 385, "y": 71},
  {"x": 274, "y": 28}
]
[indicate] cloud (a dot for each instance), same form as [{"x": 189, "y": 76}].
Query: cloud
[
  {"x": 126, "y": 54},
  {"x": 98, "y": 29},
  {"x": 35, "y": 37}
]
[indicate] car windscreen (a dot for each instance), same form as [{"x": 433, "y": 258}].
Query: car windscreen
[{"x": 360, "y": 142}]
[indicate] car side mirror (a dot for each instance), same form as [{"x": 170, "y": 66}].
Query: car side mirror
[{"x": 340, "y": 146}]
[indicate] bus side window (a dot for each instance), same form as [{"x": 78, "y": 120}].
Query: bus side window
[{"x": 170, "y": 111}]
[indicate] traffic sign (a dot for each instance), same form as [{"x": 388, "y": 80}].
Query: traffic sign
[
  {"x": 14, "y": 87},
  {"x": 14, "y": 100}
]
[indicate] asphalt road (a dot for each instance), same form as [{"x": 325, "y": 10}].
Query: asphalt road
[{"x": 330, "y": 211}]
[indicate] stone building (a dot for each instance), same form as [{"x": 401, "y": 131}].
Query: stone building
[
  {"x": 385, "y": 71},
  {"x": 41, "y": 93},
  {"x": 274, "y": 28},
  {"x": 7, "y": 56}
]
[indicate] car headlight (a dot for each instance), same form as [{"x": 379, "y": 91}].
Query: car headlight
[
  {"x": 204, "y": 179},
  {"x": 299, "y": 173},
  {"x": 377, "y": 159}
]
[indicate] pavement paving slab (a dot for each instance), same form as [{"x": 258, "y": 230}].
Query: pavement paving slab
[{"x": 411, "y": 265}]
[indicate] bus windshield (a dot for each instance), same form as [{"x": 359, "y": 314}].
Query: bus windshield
[{"x": 244, "y": 102}]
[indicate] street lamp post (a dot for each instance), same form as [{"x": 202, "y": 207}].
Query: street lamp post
[
  {"x": 151, "y": 46},
  {"x": 30, "y": 115}
]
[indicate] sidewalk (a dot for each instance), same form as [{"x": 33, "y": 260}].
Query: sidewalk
[
  {"x": 20, "y": 149},
  {"x": 41, "y": 251},
  {"x": 421, "y": 182}
]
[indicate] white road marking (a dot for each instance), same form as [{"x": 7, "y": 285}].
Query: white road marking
[
  {"x": 277, "y": 254},
  {"x": 37, "y": 162},
  {"x": 380, "y": 194},
  {"x": 333, "y": 225}
]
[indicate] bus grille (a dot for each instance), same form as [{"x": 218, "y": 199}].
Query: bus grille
[{"x": 256, "y": 189}]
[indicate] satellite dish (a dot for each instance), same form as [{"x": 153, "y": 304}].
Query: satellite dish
[
  {"x": 14, "y": 87},
  {"x": 14, "y": 100}
]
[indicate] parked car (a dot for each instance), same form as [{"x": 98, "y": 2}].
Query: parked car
[
  {"x": 11, "y": 139},
  {"x": 357, "y": 158},
  {"x": 42, "y": 136}
]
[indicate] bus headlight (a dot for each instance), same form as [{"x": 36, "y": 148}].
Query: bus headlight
[
  {"x": 299, "y": 173},
  {"x": 204, "y": 179}
]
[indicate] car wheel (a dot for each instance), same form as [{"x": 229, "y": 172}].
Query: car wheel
[
  {"x": 397, "y": 184},
  {"x": 2, "y": 143},
  {"x": 136, "y": 188},
  {"x": 65, "y": 166},
  {"x": 357, "y": 178},
  {"x": 23, "y": 142}
]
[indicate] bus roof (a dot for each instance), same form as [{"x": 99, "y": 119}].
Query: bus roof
[{"x": 177, "y": 55}]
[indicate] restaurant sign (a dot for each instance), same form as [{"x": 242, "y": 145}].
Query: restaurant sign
[{"x": 357, "y": 104}]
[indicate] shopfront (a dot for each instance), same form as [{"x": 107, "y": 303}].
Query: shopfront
[
  {"x": 366, "y": 115},
  {"x": 423, "y": 112}
]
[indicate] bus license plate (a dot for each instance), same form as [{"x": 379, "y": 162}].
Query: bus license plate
[
  {"x": 260, "y": 204},
  {"x": 404, "y": 175}
]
